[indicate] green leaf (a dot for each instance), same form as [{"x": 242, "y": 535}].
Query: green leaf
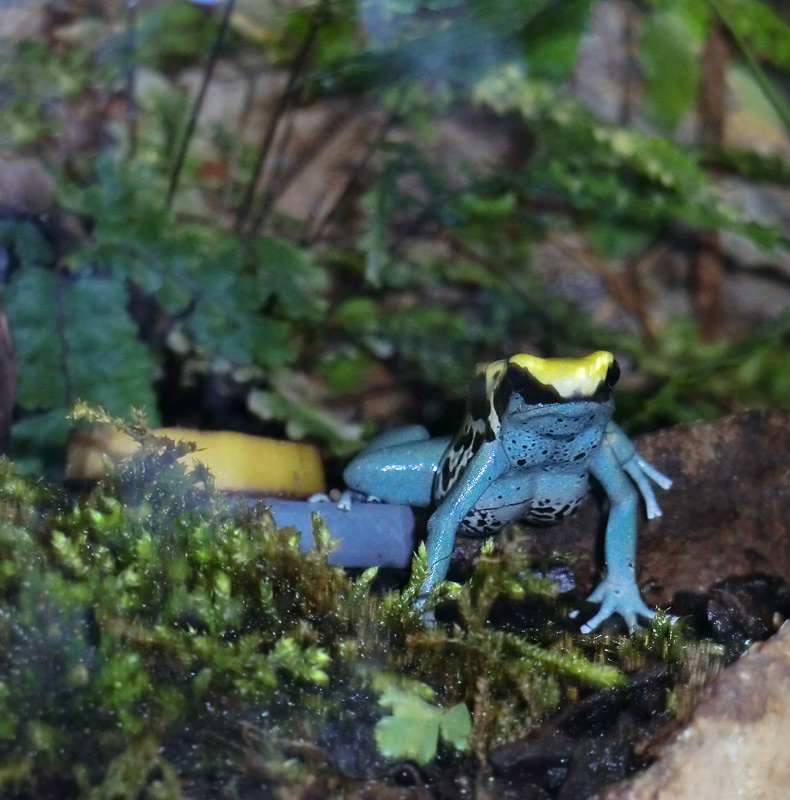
[
  {"x": 37, "y": 441},
  {"x": 173, "y": 35},
  {"x": 33, "y": 313},
  {"x": 414, "y": 728},
  {"x": 412, "y": 732},
  {"x": 670, "y": 56},
  {"x": 456, "y": 726},
  {"x": 618, "y": 241},
  {"x": 26, "y": 242},
  {"x": 488, "y": 208},
  {"x": 76, "y": 341},
  {"x": 551, "y": 41},
  {"x": 760, "y": 29},
  {"x": 508, "y": 16},
  {"x": 290, "y": 274},
  {"x": 230, "y": 324}
]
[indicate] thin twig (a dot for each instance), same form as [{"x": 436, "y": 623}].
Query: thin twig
[
  {"x": 283, "y": 177},
  {"x": 274, "y": 179},
  {"x": 283, "y": 103},
  {"x": 208, "y": 73},
  {"x": 131, "y": 75}
]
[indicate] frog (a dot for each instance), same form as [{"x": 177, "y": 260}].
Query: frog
[{"x": 536, "y": 433}]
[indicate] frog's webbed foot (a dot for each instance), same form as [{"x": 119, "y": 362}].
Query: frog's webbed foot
[
  {"x": 428, "y": 618},
  {"x": 618, "y": 598}
]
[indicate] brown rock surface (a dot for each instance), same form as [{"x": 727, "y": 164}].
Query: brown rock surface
[{"x": 735, "y": 745}]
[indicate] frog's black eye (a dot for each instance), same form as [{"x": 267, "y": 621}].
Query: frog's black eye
[{"x": 613, "y": 374}]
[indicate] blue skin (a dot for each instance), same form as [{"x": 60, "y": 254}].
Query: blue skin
[{"x": 537, "y": 468}]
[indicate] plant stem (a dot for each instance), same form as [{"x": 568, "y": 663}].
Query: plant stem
[
  {"x": 779, "y": 104},
  {"x": 208, "y": 73},
  {"x": 131, "y": 55}
]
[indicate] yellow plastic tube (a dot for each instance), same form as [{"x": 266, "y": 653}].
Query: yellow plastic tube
[{"x": 238, "y": 461}]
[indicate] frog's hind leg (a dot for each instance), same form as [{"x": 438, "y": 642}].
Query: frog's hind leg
[
  {"x": 410, "y": 433},
  {"x": 398, "y": 467}
]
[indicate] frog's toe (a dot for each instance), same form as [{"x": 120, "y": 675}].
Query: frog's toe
[
  {"x": 593, "y": 623},
  {"x": 427, "y": 616},
  {"x": 428, "y": 619},
  {"x": 615, "y": 599},
  {"x": 633, "y": 616},
  {"x": 319, "y": 497},
  {"x": 344, "y": 503}
]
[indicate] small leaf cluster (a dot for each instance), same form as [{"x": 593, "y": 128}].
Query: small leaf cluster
[
  {"x": 54, "y": 317},
  {"x": 415, "y": 727},
  {"x": 236, "y": 301}
]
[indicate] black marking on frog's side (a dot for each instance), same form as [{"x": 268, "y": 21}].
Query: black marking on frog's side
[
  {"x": 460, "y": 452},
  {"x": 480, "y": 521},
  {"x": 475, "y": 431},
  {"x": 549, "y": 515},
  {"x": 477, "y": 405},
  {"x": 542, "y": 513}
]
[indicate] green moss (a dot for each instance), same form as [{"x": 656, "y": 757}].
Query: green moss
[{"x": 148, "y": 626}]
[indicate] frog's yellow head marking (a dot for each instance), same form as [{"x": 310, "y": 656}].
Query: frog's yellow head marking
[
  {"x": 538, "y": 381},
  {"x": 570, "y": 378}
]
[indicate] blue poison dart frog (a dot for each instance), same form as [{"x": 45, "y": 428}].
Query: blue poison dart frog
[{"x": 536, "y": 429}]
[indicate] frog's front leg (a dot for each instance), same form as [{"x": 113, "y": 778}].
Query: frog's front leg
[
  {"x": 485, "y": 467},
  {"x": 618, "y": 592}
]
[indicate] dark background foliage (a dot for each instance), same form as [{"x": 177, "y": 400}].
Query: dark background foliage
[{"x": 292, "y": 218}]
